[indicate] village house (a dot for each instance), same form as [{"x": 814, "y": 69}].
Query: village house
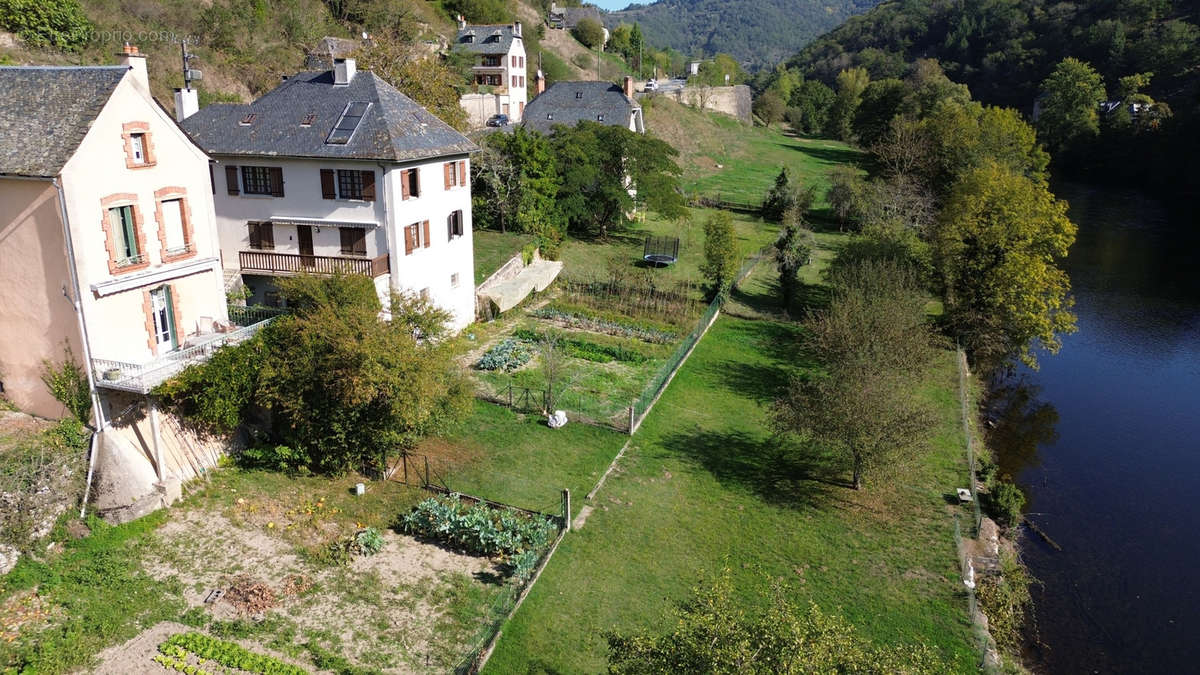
[
  {"x": 566, "y": 18},
  {"x": 499, "y": 70},
  {"x": 107, "y": 235},
  {"x": 337, "y": 171},
  {"x": 571, "y": 102}
]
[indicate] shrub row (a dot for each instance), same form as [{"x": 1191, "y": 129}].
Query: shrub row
[
  {"x": 508, "y": 355},
  {"x": 587, "y": 350},
  {"x": 227, "y": 654},
  {"x": 482, "y": 530},
  {"x": 593, "y": 321}
]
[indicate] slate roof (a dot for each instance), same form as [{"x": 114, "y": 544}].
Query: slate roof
[
  {"x": 571, "y": 16},
  {"x": 486, "y": 39},
  {"x": 394, "y": 128},
  {"x": 45, "y": 111},
  {"x": 560, "y": 100}
]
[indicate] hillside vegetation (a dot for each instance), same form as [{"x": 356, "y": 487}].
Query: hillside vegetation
[{"x": 757, "y": 32}]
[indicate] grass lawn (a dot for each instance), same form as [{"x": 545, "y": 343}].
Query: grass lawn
[
  {"x": 493, "y": 249},
  {"x": 703, "y": 487},
  {"x": 722, "y": 156},
  {"x": 516, "y": 459}
]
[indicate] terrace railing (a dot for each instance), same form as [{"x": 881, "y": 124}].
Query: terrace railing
[
  {"x": 294, "y": 263},
  {"x": 141, "y": 378},
  {"x": 242, "y": 315}
]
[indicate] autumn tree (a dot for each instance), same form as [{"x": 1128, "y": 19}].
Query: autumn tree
[
  {"x": 997, "y": 245},
  {"x": 428, "y": 80},
  {"x": 770, "y": 108}
]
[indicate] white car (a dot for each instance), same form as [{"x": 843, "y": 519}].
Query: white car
[{"x": 651, "y": 85}]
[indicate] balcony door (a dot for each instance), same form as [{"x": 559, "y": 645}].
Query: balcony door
[
  {"x": 304, "y": 234},
  {"x": 163, "y": 311}
]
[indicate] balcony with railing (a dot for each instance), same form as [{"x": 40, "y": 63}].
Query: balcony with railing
[
  {"x": 141, "y": 378},
  {"x": 269, "y": 262}
]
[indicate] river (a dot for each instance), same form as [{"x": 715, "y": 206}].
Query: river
[{"x": 1105, "y": 441}]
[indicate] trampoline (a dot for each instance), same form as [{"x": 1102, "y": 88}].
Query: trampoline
[{"x": 660, "y": 251}]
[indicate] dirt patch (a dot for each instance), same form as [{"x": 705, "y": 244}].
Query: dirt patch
[
  {"x": 20, "y": 610},
  {"x": 137, "y": 655}
]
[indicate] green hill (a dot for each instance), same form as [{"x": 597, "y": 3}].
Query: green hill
[{"x": 756, "y": 32}]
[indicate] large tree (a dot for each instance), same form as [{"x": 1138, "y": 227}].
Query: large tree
[
  {"x": 428, "y": 80},
  {"x": 720, "y": 253},
  {"x": 516, "y": 185},
  {"x": 1070, "y": 104},
  {"x": 997, "y": 245}
]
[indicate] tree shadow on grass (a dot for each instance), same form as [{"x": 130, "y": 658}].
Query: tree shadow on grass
[
  {"x": 829, "y": 155},
  {"x": 779, "y": 472}
]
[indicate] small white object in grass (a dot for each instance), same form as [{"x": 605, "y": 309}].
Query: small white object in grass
[
  {"x": 964, "y": 495},
  {"x": 360, "y": 489},
  {"x": 558, "y": 419}
]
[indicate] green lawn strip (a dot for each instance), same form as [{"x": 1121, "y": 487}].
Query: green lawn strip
[
  {"x": 493, "y": 249},
  {"x": 518, "y": 460},
  {"x": 703, "y": 487}
]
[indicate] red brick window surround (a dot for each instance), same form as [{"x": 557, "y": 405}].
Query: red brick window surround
[
  {"x": 177, "y": 331},
  {"x": 111, "y": 213},
  {"x": 139, "y": 147},
  {"x": 176, "y": 244}
]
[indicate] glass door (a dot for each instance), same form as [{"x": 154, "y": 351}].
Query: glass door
[{"x": 164, "y": 319}]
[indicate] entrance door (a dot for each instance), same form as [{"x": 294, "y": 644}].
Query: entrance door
[
  {"x": 163, "y": 312},
  {"x": 304, "y": 232}
]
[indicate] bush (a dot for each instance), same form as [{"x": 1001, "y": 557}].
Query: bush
[
  {"x": 590, "y": 32},
  {"x": 480, "y": 529},
  {"x": 1005, "y": 503},
  {"x": 68, "y": 384},
  {"x": 507, "y": 356},
  {"x": 47, "y": 23}
]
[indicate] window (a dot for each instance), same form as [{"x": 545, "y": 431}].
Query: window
[
  {"x": 308, "y": 120},
  {"x": 579, "y": 95},
  {"x": 120, "y": 219},
  {"x": 410, "y": 184},
  {"x": 162, "y": 312},
  {"x": 262, "y": 235},
  {"x": 490, "y": 61},
  {"x": 549, "y": 116},
  {"x": 600, "y": 117},
  {"x": 350, "y": 184},
  {"x": 455, "y": 174},
  {"x": 354, "y": 241},
  {"x": 137, "y": 143},
  {"x": 454, "y": 225},
  {"x": 174, "y": 235},
  {"x": 522, "y": 78},
  {"x": 248, "y": 119},
  {"x": 348, "y": 122},
  {"x": 416, "y": 236},
  {"x": 521, "y": 63},
  {"x": 514, "y": 60},
  {"x": 271, "y": 299},
  {"x": 454, "y": 280},
  {"x": 262, "y": 180}
]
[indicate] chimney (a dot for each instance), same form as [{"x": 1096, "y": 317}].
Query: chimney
[
  {"x": 628, "y": 87},
  {"x": 187, "y": 102},
  {"x": 343, "y": 71},
  {"x": 541, "y": 81},
  {"x": 517, "y": 28},
  {"x": 462, "y": 23},
  {"x": 136, "y": 61}
]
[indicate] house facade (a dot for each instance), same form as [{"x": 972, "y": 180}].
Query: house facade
[
  {"x": 499, "y": 70},
  {"x": 107, "y": 233},
  {"x": 571, "y": 102},
  {"x": 337, "y": 171}
]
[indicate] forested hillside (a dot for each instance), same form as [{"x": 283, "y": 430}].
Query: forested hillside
[
  {"x": 756, "y": 32},
  {"x": 1005, "y": 51}
]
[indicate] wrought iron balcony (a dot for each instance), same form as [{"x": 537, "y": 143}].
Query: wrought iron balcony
[
  {"x": 141, "y": 378},
  {"x": 269, "y": 262}
]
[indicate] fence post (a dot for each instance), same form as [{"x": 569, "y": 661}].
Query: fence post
[
  {"x": 426, "y": 485},
  {"x": 510, "y": 405},
  {"x": 632, "y": 408},
  {"x": 566, "y": 497},
  {"x": 404, "y": 458}
]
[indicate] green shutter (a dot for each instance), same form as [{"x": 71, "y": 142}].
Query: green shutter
[
  {"x": 128, "y": 229},
  {"x": 171, "y": 317}
]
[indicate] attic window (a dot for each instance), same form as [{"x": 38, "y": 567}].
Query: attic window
[
  {"x": 600, "y": 117},
  {"x": 308, "y": 120},
  {"x": 248, "y": 119},
  {"x": 549, "y": 116},
  {"x": 348, "y": 122},
  {"x": 579, "y": 94}
]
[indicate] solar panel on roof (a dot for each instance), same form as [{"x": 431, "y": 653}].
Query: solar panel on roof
[{"x": 348, "y": 122}]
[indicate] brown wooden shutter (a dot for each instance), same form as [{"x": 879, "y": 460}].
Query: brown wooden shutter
[
  {"x": 368, "y": 185},
  {"x": 255, "y": 235},
  {"x": 267, "y": 235},
  {"x": 415, "y": 188},
  {"x": 462, "y": 172},
  {"x": 410, "y": 236},
  {"x": 450, "y": 227},
  {"x": 446, "y": 174},
  {"x": 404, "y": 184},
  {"x": 426, "y": 232},
  {"x": 276, "y": 181},
  {"x": 328, "y": 184},
  {"x": 231, "y": 183}
]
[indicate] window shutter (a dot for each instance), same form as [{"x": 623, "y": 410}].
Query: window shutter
[
  {"x": 410, "y": 235},
  {"x": 415, "y": 188},
  {"x": 360, "y": 242},
  {"x": 462, "y": 172},
  {"x": 328, "y": 186},
  {"x": 231, "y": 183},
  {"x": 450, "y": 227},
  {"x": 426, "y": 233},
  {"x": 267, "y": 235},
  {"x": 404, "y": 193},
  {"x": 368, "y": 185},
  {"x": 446, "y": 174},
  {"x": 212, "y": 178},
  {"x": 255, "y": 235},
  {"x": 276, "y": 181}
]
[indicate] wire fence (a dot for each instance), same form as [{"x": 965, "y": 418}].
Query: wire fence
[
  {"x": 982, "y": 639},
  {"x": 969, "y": 439}
]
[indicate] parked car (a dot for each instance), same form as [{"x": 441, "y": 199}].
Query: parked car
[
  {"x": 500, "y": 120},
  {"x": 651, "y": 85}
]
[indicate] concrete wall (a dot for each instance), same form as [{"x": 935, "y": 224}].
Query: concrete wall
[
  {"x": 35, "y": 315},
  {"x": 735, "y": 101},
  {"x": 113, "y": 298},
  {"x": 479, "y": 108}
]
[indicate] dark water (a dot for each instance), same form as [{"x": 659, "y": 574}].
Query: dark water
[{"x": 1105, "y": 440}]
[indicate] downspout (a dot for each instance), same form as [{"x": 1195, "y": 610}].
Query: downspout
[
  {"x": 388, "y": 218},
  {"x": 97, "y": 411}
]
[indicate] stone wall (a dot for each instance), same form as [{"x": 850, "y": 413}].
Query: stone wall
[{"x": 734, "y": 101}]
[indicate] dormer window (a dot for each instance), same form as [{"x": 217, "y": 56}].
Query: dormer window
[
  {"x": 600, "y": 117},
  {"x": 308, "y": 120},
  {"x": 549, "y": 116},
  {"x": 578, "y": 95},
  {"x": 248, "y": 119}
]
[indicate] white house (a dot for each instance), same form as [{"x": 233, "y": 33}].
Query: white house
[
  {"x": 108, "y": 239},
  {"x": 499, "y": 69},
  {"x": 338, "y": 171}
]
